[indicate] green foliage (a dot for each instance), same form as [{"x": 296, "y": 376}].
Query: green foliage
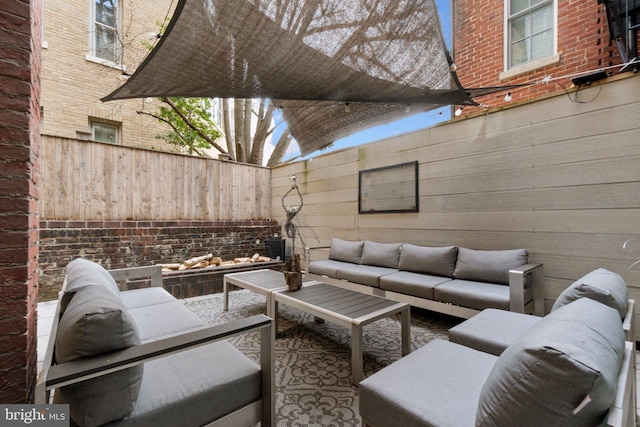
[{"x": 197, "y": 111}]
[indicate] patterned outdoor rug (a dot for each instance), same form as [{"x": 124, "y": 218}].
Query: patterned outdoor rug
[{"x": 313, "y": 360}]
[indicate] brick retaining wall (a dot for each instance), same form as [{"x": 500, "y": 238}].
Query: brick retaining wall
[{"x": 119, "y": 244}]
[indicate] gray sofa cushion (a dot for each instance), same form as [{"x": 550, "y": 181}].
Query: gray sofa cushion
[
  {"x": 364, "y": 274},
  {"x": 193, "y": 387},
  {"x": 601, "y": 285},
  {"x": 145, "y": 297},
  {"x": 492, "y": 330},
  {"x": 488, "y": 266},
  {"x": 437, "y": 385},
  {"x": 327, "y": 267},
  {"x": 414, "y": 284},
  {"x": 96, "y": 322},
  {"x": 164, "y": 320},
  {"x": 82, "y": 272},
  {"x": 381, "y": 254},
  {"x": 477, "y": 295},
  {"x": 571, "y": 355},
  {"x": 438, "y": 261},
  {"x": 346, "y": 250}
]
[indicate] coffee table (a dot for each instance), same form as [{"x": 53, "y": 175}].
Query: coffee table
[{"x": 344, "y": 307}]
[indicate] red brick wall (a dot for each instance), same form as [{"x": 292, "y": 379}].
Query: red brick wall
[
  {"x": 478, "y": 38},
  {"x": 119, "y": 244},
  {"x": 20, "y": 46}
]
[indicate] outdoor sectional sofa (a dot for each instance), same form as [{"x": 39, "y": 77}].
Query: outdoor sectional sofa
[
  {"x": 573, "y": 367},
  {"x": 140, "y": 357},
  {"x": 453, "y": 280}
]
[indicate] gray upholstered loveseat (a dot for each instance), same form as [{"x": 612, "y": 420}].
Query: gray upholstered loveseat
[
  {"x": 453, "y": 280},
  {"x": 140, "y": 357},
  {"x": 572, "y": 367}
]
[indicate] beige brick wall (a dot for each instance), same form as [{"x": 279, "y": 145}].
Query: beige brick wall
[{"x": 72, "y": 85}]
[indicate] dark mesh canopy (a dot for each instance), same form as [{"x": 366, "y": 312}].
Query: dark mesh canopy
[{"x": 310, "y": 57}]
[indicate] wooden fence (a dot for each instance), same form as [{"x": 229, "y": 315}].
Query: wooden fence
[{"x": 82, "y": 180}]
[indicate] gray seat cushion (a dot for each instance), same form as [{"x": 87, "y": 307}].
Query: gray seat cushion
[
  {"x": 193, "y": 387},
  {"x": 145, "y": 297},
  {"x": 436, "y": 385},
  {"x": 437, "y": 261},
  {"x": 492, "y": 330},
  {"x": 364, "y": 274},
  {"x": 477, "y": 295},
  {"x": 601, "y": 285},
  {"x": 488, "y": 266},
  {"x": 164, "y": 320},
  {"x": 327, "y": 267},
  {"x": 346, "y": 250},
  {"x": 95, "y": 322},
  {"x": 414, "y": 284},
  {"x": 381, "y": 254},
  {"x": 562, "y": 372}
]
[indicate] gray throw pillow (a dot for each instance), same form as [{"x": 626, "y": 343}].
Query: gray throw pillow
[
  {"x": 488, "y": 266},
  {"x": 346, "y": 250},
  {"x": 562, "y": 372},
  {"x": 96, "y": 322},
  {"x": 438, "y": 261},
  {"x": 381, "y": 254},
  {"x": 601, "y": 285}
]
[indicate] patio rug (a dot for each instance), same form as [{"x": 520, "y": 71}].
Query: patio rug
[{"x": 313, "y": 360}]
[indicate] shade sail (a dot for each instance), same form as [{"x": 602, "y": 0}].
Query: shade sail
[{"x": 311, "y": 57}]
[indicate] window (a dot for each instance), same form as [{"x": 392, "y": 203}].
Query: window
[
  {"x": 103, "y": 132},
  {"x": 105, "y": 17},
  {"x": 531, "y": 30}
]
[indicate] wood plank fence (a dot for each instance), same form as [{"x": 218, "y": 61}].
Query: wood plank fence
[{"x": 83, "y": 180}]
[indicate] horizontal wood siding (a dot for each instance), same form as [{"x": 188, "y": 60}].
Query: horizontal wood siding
[
  {"x": 559, "y": 178},
  {"x": 83, "y": 180}
]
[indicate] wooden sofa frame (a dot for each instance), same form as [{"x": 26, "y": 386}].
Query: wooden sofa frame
[{"x": 261, "y": 411}]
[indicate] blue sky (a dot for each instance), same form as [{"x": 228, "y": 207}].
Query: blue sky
[{"x": 415, "y": 122}]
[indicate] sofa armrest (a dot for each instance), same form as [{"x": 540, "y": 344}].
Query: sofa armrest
[
  {"x": 623, "y": 411},
  {"x": 308, "y": 249},
  {"x": 521, "y": 278},
  {"x": 154, "y": 272},
  {"x": 80, "y": 370}
]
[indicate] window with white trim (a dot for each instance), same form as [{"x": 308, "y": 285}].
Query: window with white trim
[
  {"x": 103, "y": 132},
  {"x": 105, "y": 21},
  {"x": 531, "y": 30}
]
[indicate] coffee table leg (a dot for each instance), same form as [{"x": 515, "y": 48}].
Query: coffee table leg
[
  {"x": 405, "y": 330},
  {"x": 356, "y": 354},
  {"x": 225, "y": 295},
  {"x": 272, "y": 311}
]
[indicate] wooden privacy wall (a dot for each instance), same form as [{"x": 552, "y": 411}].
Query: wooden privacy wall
[
  {"x": 83, "y": 180},
  {"x": 559, "y": 178}
]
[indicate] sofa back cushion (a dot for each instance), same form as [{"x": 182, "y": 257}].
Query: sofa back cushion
[
  {"x": 437, "y": 261},
  {"x": 96, "y": 322},
  {"x": 488, "y": 266},
  {"x": 381, "y": 254},
  {"x": 82, "y": 272},
  {"x": 346, "y": 250},
  {"x": 562, "y": 372},
  {"x": 601, "y": 285}
]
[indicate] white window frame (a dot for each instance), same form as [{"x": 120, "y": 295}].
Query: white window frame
[
  {"x": 116, "y": 126},
  {"x": 92, "y": 55},
  {"x": 510, "y": 71}
]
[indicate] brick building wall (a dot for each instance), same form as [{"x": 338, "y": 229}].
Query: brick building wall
[
  {"x": 583, "y": 45},
  {"x": 19, "y": 163},
  {"x": 119, "y": 244},
  {"x": 73, "y": 82}
]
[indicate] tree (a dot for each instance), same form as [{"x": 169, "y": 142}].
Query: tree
[{"x": 246, "y": 126}]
